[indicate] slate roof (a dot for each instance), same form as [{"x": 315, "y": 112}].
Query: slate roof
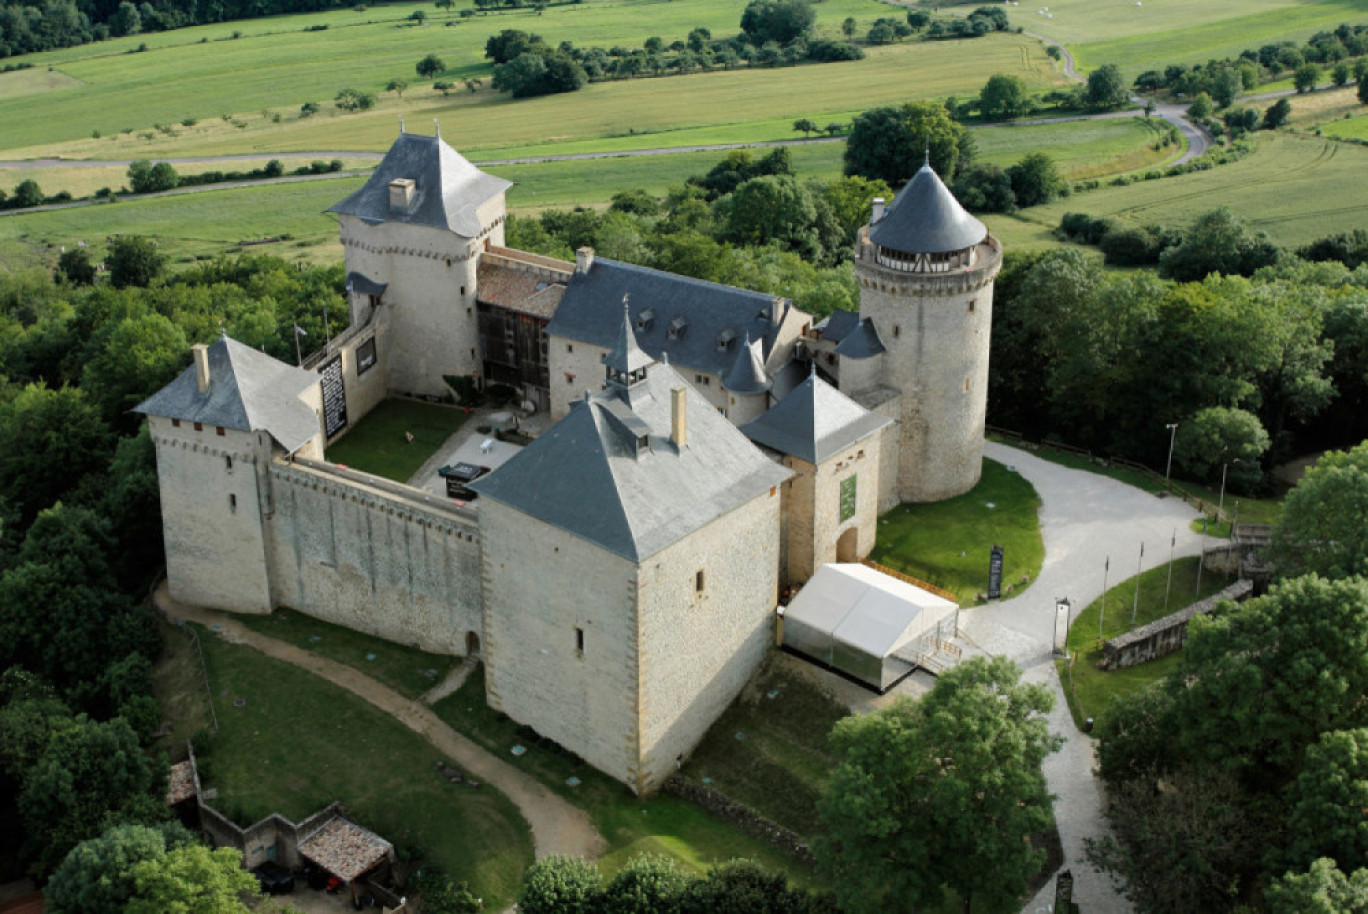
[
  {"x": 861, "y": 343},
  {"x": 517, "y": 290},
  {"x": 448, "y": 188},
  {"x": 590, "y": 312},
  {"x": 588, "y": 475},
  {"x": 626, "y": 356},
  {"x": 925, "y": 218},
  {"x": 814, "y": 422},
  {"x": 360, "y": 282},
  {"x": 837, "y": 325},
  {"x": 248, "y": 391},
  {"x": 747, "y": 373}
]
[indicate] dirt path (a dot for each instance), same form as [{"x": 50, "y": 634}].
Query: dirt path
[{"x": 558, "y": 827}]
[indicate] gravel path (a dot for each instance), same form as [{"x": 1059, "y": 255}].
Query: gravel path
[
  {"x": 1085, "y": 518},
  {"x": 558, "y": 827}
]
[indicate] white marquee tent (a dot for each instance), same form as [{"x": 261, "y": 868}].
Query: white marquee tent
[{"x": 865, "y": 624}]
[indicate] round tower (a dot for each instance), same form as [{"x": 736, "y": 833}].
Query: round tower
[{"x": 926, "y": 269}]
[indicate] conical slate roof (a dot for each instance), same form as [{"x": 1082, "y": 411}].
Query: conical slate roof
[
  {"x": 813, "y": 422},
  {"x": 447, "y": 188},
  {"x": 925, "y": 218},
  {"x": 747, "y": 373},
  {"x": 626, "y": 356},
  {"x": 248, "y": 391}
]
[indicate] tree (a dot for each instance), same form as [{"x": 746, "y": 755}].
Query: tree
[
  {"x": 146, "y": 178},
  {"x": 417, "y": 16},
  {"x": 1225, "y": 86},
  {"x": 443, "y": 4},
  {"x": 1277, "y": 114},
  {"x": 510, "y": 44},
  {"x": 890, "y": 144},
  {"x": 1340, "y": 74},
  {"x": 397, "y": 86},
  {"x": 918, "y": 19},
  {"x": 1363, "y": 90},
  {"x": 851, "y": 199},
  {"x": 1106, "y": 88},
  {"x": 308, "y": 109},
  {"x": 1218, "y": 436},
  {"x": 26, "y": 193},
  {"x": 74, "y": 267},
  {"x": 430, "y": 66},
  {"x": 140, "y": 356},
  {"x": 126, "y": 20},
  {"x": 1200, "y": 108},
  {"x": 939, "y": 793},
  {"x": 1305, "y": 77},
  {"x": 1324, "y": 889},
  {"x": 1035, "y": 179},
  {"x": 780, "y": 21},
  {"x": 1004, "y": 97},
  {"x": 354, "y": 100},
  {"x": 848, "y": 26},
  {"x": 53, "y": 439},
  {"x": 807, "y": 127},
  {"x": 743, "y": 887},
  {"x": 97, "y": 876},
  {"x": 1218, "y": 242},
  {"x": 1327, "y": 801},
  {"x": 193, "y": 880},
  {"x": 648, "y": 884},
  {"x": 772, "y": 208},
  {"x": 89, "y": 772},
  {"x": 1322, "y": 529},
  {"x": 560, "y": 885},
  {"x": 444, "y": 86},
  {"x": 133, "y": 261},
  {"x": 985, "y": 188}
]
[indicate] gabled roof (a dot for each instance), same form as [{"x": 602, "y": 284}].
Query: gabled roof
[
  {"x": 925, "y": 218},
  {"x": 589, "y": 475},
  {"x": 865, "y": 609},
  {"x": 688, "y": 319},
  {"x": 862, "y": 342},
  {"x": 248, "y": 391},
  {"x": 345, "y": 849},
  {"x": 522, "y": 290},
  {"x": 814, "y": 422},
  {"x": 836, "y": 325},
  {"x": 447, "y": 190},
  {"x": 747, "y": 373},
  {"x": 363, "y": 284}
]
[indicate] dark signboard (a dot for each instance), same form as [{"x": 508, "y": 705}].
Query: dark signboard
[
  {"x": 847, "y": 498},
  {"x": 995, "y": 574},
  {"x": 365, "y": 357},
  {"x": 334, "y": 397}
]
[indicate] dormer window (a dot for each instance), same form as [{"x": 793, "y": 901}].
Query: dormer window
[
  {"x": 402, "y": 191},
  {"x": 725, "y": 339},
  {"x": 645, "y": 320},
  {"x": 677, "y": 328}
]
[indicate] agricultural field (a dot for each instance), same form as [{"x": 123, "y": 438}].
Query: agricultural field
[{"x": 1295, "y": 188}]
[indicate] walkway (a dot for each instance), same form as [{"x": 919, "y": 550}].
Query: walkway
[
  {"x": 1085, "y": 518},
  {"x": 558, "y": 827}
]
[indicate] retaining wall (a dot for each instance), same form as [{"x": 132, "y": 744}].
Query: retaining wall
[{"x": 1164, "y": 636}]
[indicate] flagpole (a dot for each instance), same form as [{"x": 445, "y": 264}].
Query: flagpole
[
  {"x": 1139, "y": 563},
  {"x": 1102, "y": 611},
  {"x": 1172, "y": 543},
  {"x": 1201, "y": 558}
]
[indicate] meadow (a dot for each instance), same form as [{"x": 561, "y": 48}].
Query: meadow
[{"x": 1295, "y": 188}]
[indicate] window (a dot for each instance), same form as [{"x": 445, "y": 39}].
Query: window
[
  {"x": 569, "y": 347},
  {"x": 966, "y": 385},
  {"x": 228, "y": 464},
  {"x": 218, "y": 430},
  {"x": 462, "y": 287},
  {"x": 848, "y": 498},
  {"x": 698, "y": 581},
  {"x": 232, "y": 504},
  {"x": 579, "y": 641},
  {"x": 972, "y": 302},
  {"x": 175, "y": 423},
  {"x": 897, "y": 330},
  {"x": 199, "y": 426}
]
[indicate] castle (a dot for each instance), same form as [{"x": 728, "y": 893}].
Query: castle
[{"x": 619, "y": 575}]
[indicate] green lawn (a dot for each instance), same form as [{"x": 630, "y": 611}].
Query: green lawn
[
  {"x": 407, "y": 670},
  {"x": 297, "y": 743},
  {"x": 178, "y": 685},
  {"x": 948, "y": 543},
  {"x": 662, "y": 824},
  {"x": 1090, "y": 691},
  {"x": 377, "y": 444},
  {"x": 781, "y": 762},
  {"x": 1295, "y": 188}
]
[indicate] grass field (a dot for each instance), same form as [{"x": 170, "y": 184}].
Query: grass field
[
  {"x": 948, "y": 543},
  {"x": 85, "y": 181},
  {"x": 407, "y": 670},
  {"x": 276, "y": 66},
  {"x": 770, "y": 750},
  {"x": 1089, "y": 690},
  {"x": 297, "y": 743},
  {"x": 377, "y": 444},
  {"x": 1295, "y": 188},
  {"x": 660, "y": 825}
]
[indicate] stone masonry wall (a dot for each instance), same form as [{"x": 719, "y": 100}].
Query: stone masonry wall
[
  {"x": 541, "y": 586},
  {"x": 403, "y": 567},
  {"x": 699, "y": 647},
  {"x": 1164, "y": 636}
]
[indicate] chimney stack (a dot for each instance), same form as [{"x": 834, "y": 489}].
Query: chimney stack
[
  {"x": 678, "y": 428},
  {"x": 584, "y": 259},
  {"x": 401, "y": 193},
  {"x": 201, "y": 353},
  {"x": 878, "y": 210}
]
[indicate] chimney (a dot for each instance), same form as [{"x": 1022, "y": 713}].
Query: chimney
[
  {"x": 878, "y": 210},
  {"x": 401, "y": 193},
  {"x": 584, "y": 259},
  {"x": 677, "y": 416},
  {"x": 201, "y": 353},
  {"x": 776, "y": 310}
]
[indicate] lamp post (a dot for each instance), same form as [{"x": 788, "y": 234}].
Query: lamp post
[
  {"x": 1220, "y": 507},
  {"x": 1168, "y": 468}
]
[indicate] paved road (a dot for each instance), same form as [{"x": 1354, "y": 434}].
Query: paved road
[
  {"x": 1085, "y": 519},
  {"x": 558, "y": 827}
]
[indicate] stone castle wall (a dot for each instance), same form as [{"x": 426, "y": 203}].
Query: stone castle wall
[{"x": 379, "y": 557}]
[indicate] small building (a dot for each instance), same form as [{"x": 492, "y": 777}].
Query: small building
[{"x": 867, "y": 626}]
